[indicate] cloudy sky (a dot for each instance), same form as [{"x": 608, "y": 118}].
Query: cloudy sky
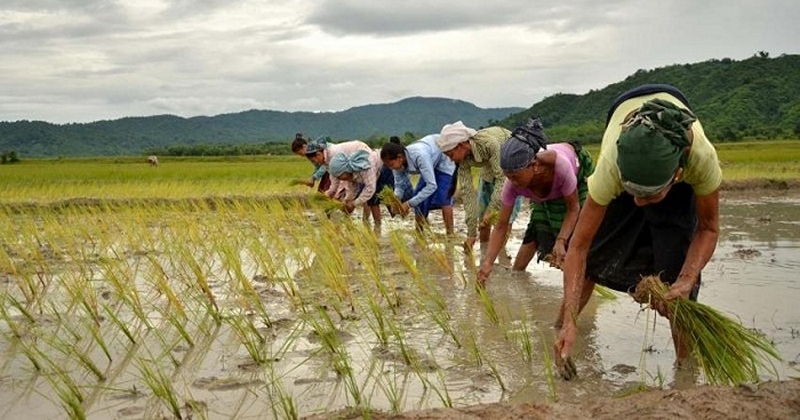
[{"x": 86, "y": 60}]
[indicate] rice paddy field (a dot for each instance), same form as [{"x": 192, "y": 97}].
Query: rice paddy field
[{"x": 212, "y": 288}]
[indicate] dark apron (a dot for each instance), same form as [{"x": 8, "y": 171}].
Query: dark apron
[{"x": 632, "y": 241}]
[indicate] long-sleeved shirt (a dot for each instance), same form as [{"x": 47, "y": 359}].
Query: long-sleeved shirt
[
  {"x": 368, "y": 178},
  {"x": 423, "y": 157},
  {"x": 347, "y": 148},
  {"x": 485, "y": 154}
]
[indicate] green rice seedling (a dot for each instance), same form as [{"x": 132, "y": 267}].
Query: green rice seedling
[
  {"x": 488, "y": 305},
  {"x": 401, "y": 250},
  {"x": 160, "y": 385},
  {"x": 549, "y": 373},
  {"x": 113, "y": 315},
  {"x": 249, "y": 337},
  {"x": 386, "y": 380},
  {"x": 125, "y": 289},
  {"x": 325, "y": 203},
  {"x": 604, "y": 292},
  {"x": 70, "y": 394},
  {"x": 378, "y": 322},
  {"x": 497, "y": 376},
  {"x": 244, "y": 288},
  {"x": 474, "y": 348},
  {"x": 726, "y": 351},
  {"x": 286, "y": 407},
  {"x": 388, "y": 198},
  {"x": 522, "y": 336},
  {"x": 331, "y": 342}
]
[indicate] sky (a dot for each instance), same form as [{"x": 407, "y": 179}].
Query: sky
[{"x": 74, "y": 61}]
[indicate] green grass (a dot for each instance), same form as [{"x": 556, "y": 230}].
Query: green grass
[{"x": 49, "y": 180}]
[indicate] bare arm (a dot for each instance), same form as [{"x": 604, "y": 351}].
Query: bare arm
[
  {"x": 704, "y": 242},
  {"x": 496, "y": 241},
  {"x": 575, "y": 271},
  {"x": 568, "y": 226}
]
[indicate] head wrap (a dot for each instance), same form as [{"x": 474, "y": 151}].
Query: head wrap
[
  {"x": 652, "y": 146},
  {"x": 521, "y": 148},
  {"x": 314, "y": 146},
  {"x": 452, "y": 135},
  {"x": 355, "y": 162}
]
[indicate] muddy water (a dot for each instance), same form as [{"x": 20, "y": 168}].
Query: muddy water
[{"x": 753, "y": 277}]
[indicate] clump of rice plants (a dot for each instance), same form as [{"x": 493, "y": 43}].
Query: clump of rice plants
[
  {"x": 726, "y": 351},
  {"x": 388, "y": 198},
  {"x": 328, "y": 204}
]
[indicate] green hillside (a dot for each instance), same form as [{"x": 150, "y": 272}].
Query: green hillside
[
  {"x": 134, "y": 136},
  {"x": 754, "y": 99},
  {"x": 757, "y": 98}
]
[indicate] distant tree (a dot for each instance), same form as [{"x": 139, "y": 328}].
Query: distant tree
[{"x": 8, "y": 157}]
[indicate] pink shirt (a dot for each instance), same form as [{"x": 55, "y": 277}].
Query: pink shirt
[
  {"x": 565, "y": 179},
  {"x": 347, "y": 148}
]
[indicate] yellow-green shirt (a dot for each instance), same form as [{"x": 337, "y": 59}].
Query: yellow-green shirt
[
  {"x": 485, "y": 155},
  {"x": 702, "y": 169}
]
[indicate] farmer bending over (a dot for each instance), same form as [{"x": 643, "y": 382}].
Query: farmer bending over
[{"x": 653, "y": 207}]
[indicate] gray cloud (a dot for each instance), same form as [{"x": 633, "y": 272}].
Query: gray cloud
[{"x": 69, "y": 61}]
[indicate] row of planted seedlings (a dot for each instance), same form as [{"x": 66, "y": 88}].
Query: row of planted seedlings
[{"x": 228, "y": 307}]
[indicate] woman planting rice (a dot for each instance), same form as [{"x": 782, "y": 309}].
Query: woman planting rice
[
  {"x": 363, "y": 174},
  {"x": 652, "y": 207},
  {"x": 554, "y": 179}
]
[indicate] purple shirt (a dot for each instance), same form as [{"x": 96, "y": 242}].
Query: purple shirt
[{"x": 565, "y": 180}]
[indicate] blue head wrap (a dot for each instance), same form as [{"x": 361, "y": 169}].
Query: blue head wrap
[
  {"x": 342, "y": 163},
  {"x": 316, "y": 145}
]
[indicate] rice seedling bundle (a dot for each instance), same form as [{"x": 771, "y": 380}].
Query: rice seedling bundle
[
  {"x": 726, "y": 351},
  {"x": 327, "y": 204},
  {"x": 387, "y": 197}
]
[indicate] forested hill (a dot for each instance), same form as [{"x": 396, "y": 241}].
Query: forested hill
[
  {"x": 132, "y": 136},
  {"x": 756, "y": 98}
]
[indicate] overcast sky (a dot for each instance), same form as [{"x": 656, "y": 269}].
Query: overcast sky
[{"x": 86, "y": 60}]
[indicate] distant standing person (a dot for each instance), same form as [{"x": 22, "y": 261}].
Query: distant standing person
[
  {"x": 652, "y": 209},
  {"x": 553, "y": 178},
  {"x": 435, "y": 187},
  {"x": 320, "y": 173}
]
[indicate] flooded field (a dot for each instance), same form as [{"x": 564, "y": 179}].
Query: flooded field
[{"x": 241, "y": 312}]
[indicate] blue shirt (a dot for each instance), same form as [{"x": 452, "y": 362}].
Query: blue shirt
[{"x": 423, "y": 157}]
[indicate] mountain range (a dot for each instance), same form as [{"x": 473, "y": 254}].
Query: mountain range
[{"x": 755, "y": 98}]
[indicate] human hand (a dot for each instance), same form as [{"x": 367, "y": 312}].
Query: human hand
[
  {"x": 404, "y": 209},
  {"x": 561, "y": 349},
  {"x": 469, "y": 243},
  {"x": 681, "y": 288},
  {"x": 560, "y": 250},
  {"x": 484, "y": 272},
  {"x": 349, "y": 207}
]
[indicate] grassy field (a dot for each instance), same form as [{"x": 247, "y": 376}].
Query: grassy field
[
  {"x": 42, "y": 181},
  {"x": 157, "y": 309}
]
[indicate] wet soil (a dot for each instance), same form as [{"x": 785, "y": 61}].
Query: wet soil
[{"x": 769, "y": 400}]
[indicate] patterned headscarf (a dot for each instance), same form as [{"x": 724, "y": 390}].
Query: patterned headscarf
[
  {"x": 521, "y": 148},
  {"x": 355, "y": 162},
  {"x": 452, "y": 135},
  {"x": 314, "y": 146},
  {"x": 652, "y": 146}
]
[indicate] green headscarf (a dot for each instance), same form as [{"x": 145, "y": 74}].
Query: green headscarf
[
  {"x": 342, "y": 163},
  {"x": 651, "y": 146}
]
